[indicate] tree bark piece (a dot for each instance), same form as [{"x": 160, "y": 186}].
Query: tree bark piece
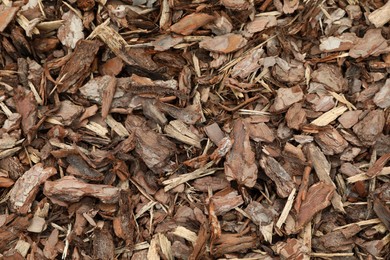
[
  {"x": 240, "y": 161},
  {"x": 69, "y": 189},
  {"x": 26, "y": 187}
]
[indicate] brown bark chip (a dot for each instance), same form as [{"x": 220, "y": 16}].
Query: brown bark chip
[
  {"x": 26, "y": 187},
  {"x": 77, "y": 69},
  {"x": 240, "y": 161},
  {"x": 370, "y": 127}
]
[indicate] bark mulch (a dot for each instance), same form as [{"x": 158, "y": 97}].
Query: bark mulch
[{"x": 166, "y": 129}]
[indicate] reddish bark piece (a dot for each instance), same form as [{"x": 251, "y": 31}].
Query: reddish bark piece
[
  {"x": 292, "y": 249},
  {"x": 378, "y": 165},
  {"x": 343, "y": 42},
  {"x": 336, "y": 241},
  {"x": 381, "y": 98},
  {"x": 261, "y": 215},
  {"x": 249, "y": 64},
  {"x": 240, "y": 162},
  {"x": 191, "y": 23},
  {"x": 237, "y": 4},
  {"x": 228, "y": 243},
  {"x": 103, "y": 244},
  {"x": 382, "y": 211},
  {"x": 6, "y": 182},
  {"x": 214, "y": 132},
  {"x": 370, "y": 127},
  {"x": 71, "y": 31},
  {"x": 165, "y": 42},
  {"x": 85, "y": 5},
  {"x": 107, "y": 97},
  {"x": 331, "y": 141},
  {"x": 124, "y": 227},
  {"x": 223, "y": 148},
  {"x": 26, "y": 187},
  {"x": 349, "y": 118},
  {"x": 77, "y": 69},
  {"x": 260, "y": 132},
  {"x": 50, "y": 250},
  {"x": 318, "y": 197},
  {"x": 331, "y": 77},
  {"x": 154, "y": 149},
  {"x": 290, "y": 6},
  {"x": 285, "y": 97},
  {"x": 26, "y": 106},
  {"x": 79, "y": 168},
  {"x": 68, "y": 112},
  {"x": 226, "y": 200},
  {"x": 296, "y": 116},
  {"x": 6, "y": 15},
  {"x": 224, "y": 43},
  {"x": 284, "y": 183},
  {"x": 261, "y": 23},
  {"x": 112, "y": 67},
  {"x": 70, "y": 189},
  {"x": 215, "y": 183},
  {"x": 372, "y": 44}
]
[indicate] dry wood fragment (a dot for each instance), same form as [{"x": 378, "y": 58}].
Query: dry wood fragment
[
  {"x": 201, "y": 172},
  {"x": 286, "y": 210},
  {"x": 378, "y": 165},
  {"x": 116, "y": 126},
  {"x": 343, "y": 42},
  {"x": 70, "y": 189},
  {"x": 71, "y": 30},
  {"x": 224, "y": 43},
  {"x": 285, "y": 97},
  {"x": 78, "y": 66},
  {"x": 261, "y": 23},
  {"x": 226, "y": 200},
  {"x": 228, "y": 243},
  {"x": 107, "y": 97},
  {"x": 322, "y": 169},
  {"x": 79, "y": 168},
  {"x": 26, "y": 187},
  {"x": 380, "y": 16},
  {"x": 370, "y": 127},
  {"x": 318, "y": 197},
  {"x": 190, "y": 23},
  {"x": 124, "y": 226},
  {"x": 331, "y": 77},
  {"x": 331, "y": 141},
  {"x": 103, "y": 244},
  {"x": 292, "y": 248},
  {"x": 296, "y": 116},
  {"x": 240, "y": 161},
  {"x": 154, "y": 149},
  {"x": 372, "y": 44},
  {"x": 283, "y": 181},
  {"x": 7, "y": 13},
  {"x": 237, "y": 4},
  {"x": 329, "y": 116},
  {"x": 349, "y": 118},
  {"x": 27, "y": 108},
  {"x": 381, "y": 98},
  {"x": 178, "y": 130},
  {"x": 214, "y": 132},
  {"x": 68, "y": 112}
]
